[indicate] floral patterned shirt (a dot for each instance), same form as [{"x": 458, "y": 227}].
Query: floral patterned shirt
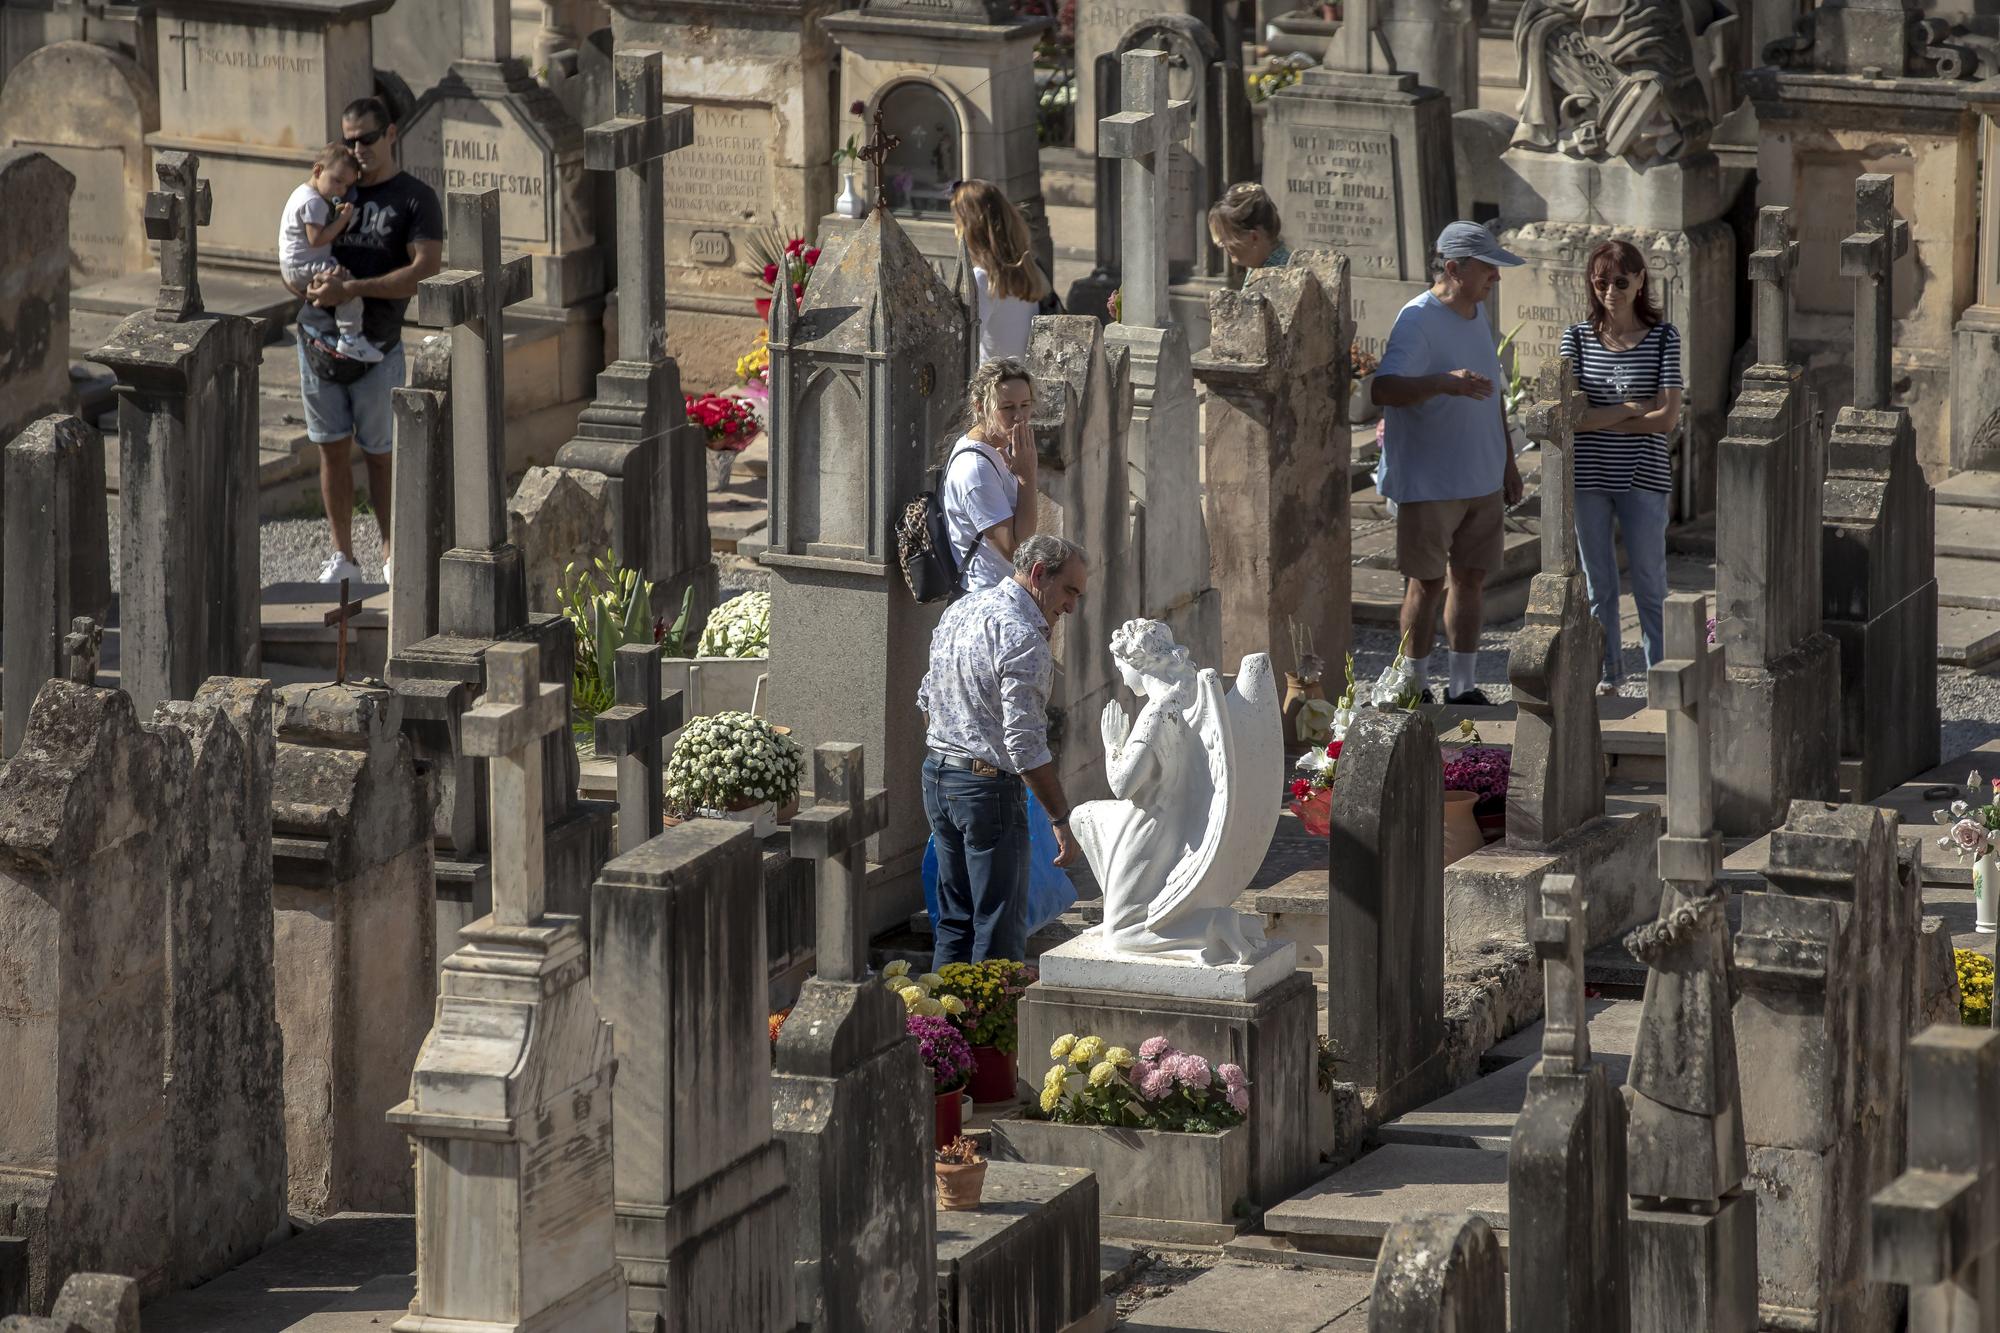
[{"x": 987, "y": 691}]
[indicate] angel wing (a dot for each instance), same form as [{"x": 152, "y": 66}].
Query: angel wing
[{"x": 1237, "y": 808}]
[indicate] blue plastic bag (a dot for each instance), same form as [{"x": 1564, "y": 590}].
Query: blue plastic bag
[{"x": 1049, "y": 891}]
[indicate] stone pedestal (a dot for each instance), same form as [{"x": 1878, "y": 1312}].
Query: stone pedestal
[
  {"x": 1694, "y": 1272},
  {"x": 54, "y": 470},
  {"x": 1269, "y": 1031},
  {"x": 1488, "y": 895},
  {"x": 1026, "y": 1258}
]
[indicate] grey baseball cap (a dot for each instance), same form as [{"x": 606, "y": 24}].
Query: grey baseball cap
[{"x": 1469, "y": 240}]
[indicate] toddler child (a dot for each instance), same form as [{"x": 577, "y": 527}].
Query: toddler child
[{"x": 317, "y": 212}]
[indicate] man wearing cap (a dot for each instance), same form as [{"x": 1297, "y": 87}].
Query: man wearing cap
[{"x": 1445, "y": 461}]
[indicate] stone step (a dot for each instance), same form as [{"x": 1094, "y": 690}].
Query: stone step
[
  {"x": 1350, "y": 1211},
  {"x": 262, "y": 297},
  {"x": 1968, "y": 638},
  {"x": 1971, "y": 584},
  {"x": 1968, "y": 531},
  {"x": 1978, "y": 490}
]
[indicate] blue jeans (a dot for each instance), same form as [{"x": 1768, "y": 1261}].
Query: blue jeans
[
  {"x": 981, "y": 825},
  {"x": 1642, "y": 518}
]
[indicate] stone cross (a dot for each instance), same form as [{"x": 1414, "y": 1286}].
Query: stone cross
[
  {"x": 1771, "y": 266},
  {"x": 506, "y": 730},
  {"x": 1143, "y": 134},
  {"x": 1682, "y": 686},
  {"x": 1934, "y": 1228},
  {"x": 1880, "y": 238},
  {"x": 487, "y": 30},
  {"x": 1559, "y": 936},
  {"x": 1551, "y": 418},
  {"x": 831, "y": 834},
  {"x": 876, "y": 152},
  {"x": 633, "y": 730},
  {"x": 634, "y": 143},
  {"x": 80, "y": 647},
  {"x": 174, "y": 213},
  {"x": 468, "y": 298},
  {"x": 1353, "y": 49},
  {"x": 338, "y": 616}
]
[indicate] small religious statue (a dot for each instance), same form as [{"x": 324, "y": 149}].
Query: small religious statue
[
  {"x": 1640, "y": 79},
  {"x": 1195, "y": 802}
]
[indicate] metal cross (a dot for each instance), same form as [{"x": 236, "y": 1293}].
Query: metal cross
[
  {"x": 1681, "y": 687},
  {"x": 469, "y": 298},
  {"x": 338, "y": 616},
  {"x": 174, "y": 213},
  {"x": 875, "y": 153},
  {"x": 831, "y": 834},
  {"x": 633, "y": 730},
  {"x": 1771, "y": 266},
  {"x": 1143, "y": 135},
  {"x": 1551, "y": 418},
  {"x": 1933, "y": 1229},
  {"x": 633, "y": 143},
  {"x": 1559, "y": 937},
  {"x": 1880, "y": 238},
  {"x": 80, "y": 647},
  {"x": 506, "y": 730}
]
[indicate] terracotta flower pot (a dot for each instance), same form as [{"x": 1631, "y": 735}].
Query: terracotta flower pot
[
  {"x": 992, "y": 1076},
  {"x": 959, "y": 1185},
  {"x": 950, "y": 1115},
  {"x": 1461, "y": 829}
]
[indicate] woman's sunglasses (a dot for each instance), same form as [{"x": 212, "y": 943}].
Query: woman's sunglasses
[{"x": 1611, "y": 284}]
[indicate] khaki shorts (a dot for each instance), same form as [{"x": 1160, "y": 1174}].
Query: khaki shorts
[{"x": 1471, "y": 533}]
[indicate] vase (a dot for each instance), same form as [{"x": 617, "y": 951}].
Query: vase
[
  {"x": 959, "y": 1185},
  {"x": 850, "y": 204},
  {"x": 721, "y": 462},
  {"x": 1985, "y": 889},
  {"x": 1297, "y": 691},
  {"x": 1361, "y": 407},
  {"x": 950, "y": 1115},
  {"x": 993, "y": 1076},
  {"x": 1461, "y": 827}
]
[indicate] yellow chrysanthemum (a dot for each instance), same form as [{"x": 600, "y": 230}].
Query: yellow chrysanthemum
[
  {"x": 1086, "y": 1051},
  {"x": 1051, "y": 1095},
  {"x": 1054, "y": 1078},
  {"x": 912, "y": 997},
  {"x": 1060, "y": 1048},
  {"x": 1119, "y": 1056},
  {"x": 1103, "y": 1074},
  {"x": 952, "y": 1005},
  {"x": 899, "y": 968},
  {"x": 930, "y": 981},
  {"x": 928, "y": 1008}
]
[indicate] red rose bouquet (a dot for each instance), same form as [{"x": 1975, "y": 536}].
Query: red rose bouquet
[
  {"x": 775, "y": 258},
  {"x": 730, "y": 422}
]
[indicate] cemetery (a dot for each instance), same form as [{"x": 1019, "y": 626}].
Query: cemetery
[{"x": 492, "y": 605}]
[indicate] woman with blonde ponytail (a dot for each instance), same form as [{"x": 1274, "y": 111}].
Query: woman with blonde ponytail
[{"x": 1008, "y": 283}]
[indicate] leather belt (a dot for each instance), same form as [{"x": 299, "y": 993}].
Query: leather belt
[{"x": 976, "y": 767}]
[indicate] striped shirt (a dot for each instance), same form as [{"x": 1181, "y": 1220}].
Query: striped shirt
[{"x": 1607, "y": 460}]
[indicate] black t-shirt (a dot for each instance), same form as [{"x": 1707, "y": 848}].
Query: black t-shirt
[{"x": 388, "y": 217}]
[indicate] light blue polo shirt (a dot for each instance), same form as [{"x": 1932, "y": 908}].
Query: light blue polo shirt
[{"x": 1446, "y": 447}]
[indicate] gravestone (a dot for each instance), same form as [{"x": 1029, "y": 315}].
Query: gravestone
[
  {"x": 87, "y": 1303},
  {"x": 187, "y": 465},
  {"x": 422, "y": 482},
  {"x": 34, "y": 289},
  {"x": 677, "y": 952},
  {"x": 1100, "y": 31},
  {"x": 481, "y": 597},
  {"x": 510, "y": 1104},
  {"x": 1557, "y": 779},
  {"x": 54, "y": 473},
  {"x": 1975, "y": 374},
  {"x": 866, "y": 379},
  {"x": 636, "y": 432},
  {"x": 1277, "y": 446},
  {"x": 1825, "y": 964},
  {"x": 90, "y": 108},
  {"x": 1566, "y": 1163},
  {"x": 1358, "y": 157},
  {"x": 256, "y": 90},
  {"x": 1385, "y": 909},
  {"x": 559, "y": 517},
  {"x": 634, "y": 729},
  {"x": 1083, "y": 407},
  {"x": 761, "y": 76},
  {"x": 356, "y": 940},
  {"x": 1934, "y": 1227},
  {"x": 1163, "y": 448},
  {"x": 851, "y": 1100},
  {"x": 1777, "y": 735},
  {"x": 1880, "y": 535},
  {"x": 1691, "y": 1234},
  {"x": 488, "y": 125},
  {"x": 1439, "y": 1273}
]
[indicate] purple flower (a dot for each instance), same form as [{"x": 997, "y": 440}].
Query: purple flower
[
  {"x": 943, "y": 1048},
  {"x": 1152, "y": 1048},
  {"x": 1233, "y": 1076},
  {"x": 1240, "y": 1099},
  {"x": 1153, "y": 1082}
]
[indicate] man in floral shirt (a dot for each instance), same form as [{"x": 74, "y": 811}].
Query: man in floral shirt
[{"x": 986, "y": 699}]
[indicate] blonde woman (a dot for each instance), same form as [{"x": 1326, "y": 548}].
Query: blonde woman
[
  {"x": 988, "y": 491},
  {"x": 1244, "y": 225},
  {"x": 1010, "y": 285}
]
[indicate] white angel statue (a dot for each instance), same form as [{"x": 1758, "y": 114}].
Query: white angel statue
[{"x": 1198, "y": 787}]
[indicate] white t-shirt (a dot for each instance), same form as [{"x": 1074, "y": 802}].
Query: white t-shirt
[
  {"x": 1004, "y": 322},
  {"x": 978, "y": 494},
  {"x": 306, "y": 206}
]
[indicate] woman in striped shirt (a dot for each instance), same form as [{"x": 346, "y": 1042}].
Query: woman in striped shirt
[{"x": 1628, "y": 362}]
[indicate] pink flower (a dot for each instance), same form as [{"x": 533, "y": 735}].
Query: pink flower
[
  {"x": 1153, "y": 1082},
  {"x": 1233, "y": 1076},
  {"x": 1152, "y": 1048},
  {"x": 1190, "y": 1071},
  {"x": 1968, "y": 837},
  {"x": 1240, "y": 1099}
]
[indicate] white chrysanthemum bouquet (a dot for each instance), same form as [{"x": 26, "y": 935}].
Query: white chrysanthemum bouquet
[
  {"x": 731, "y": 761},
  {"x": 740, "y": 627}
]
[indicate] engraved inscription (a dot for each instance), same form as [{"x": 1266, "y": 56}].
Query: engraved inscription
[
  {"x": 1340, "y": 192},
  {"x": 724, "y": 175},
  {"x": 449, "y": 152},
  {"x": 257, "y": 62},
  {"x": 1819, "y": 288},
  {"x": 100, "y": 214},
  {"x": 709, "y": 247}
]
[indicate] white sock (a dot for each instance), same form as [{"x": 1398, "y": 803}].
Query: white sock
[{"x": 1462, "y": 665}]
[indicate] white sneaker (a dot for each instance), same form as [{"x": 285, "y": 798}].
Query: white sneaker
[
  {"x": 338, "y": 567},
  {"x": 388, "y": 573},
  {"x": 359, "y": 348}
]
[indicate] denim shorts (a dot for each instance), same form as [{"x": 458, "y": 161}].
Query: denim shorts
[{"x": 362, "y": 409}]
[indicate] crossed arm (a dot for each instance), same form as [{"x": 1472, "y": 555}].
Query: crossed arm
[{"x": 1648, "y": 416}]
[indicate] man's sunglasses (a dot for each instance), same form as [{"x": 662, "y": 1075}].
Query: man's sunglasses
[
  {"x": 368, "y": 140},
  {"x": 1610, "y": 284}
]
